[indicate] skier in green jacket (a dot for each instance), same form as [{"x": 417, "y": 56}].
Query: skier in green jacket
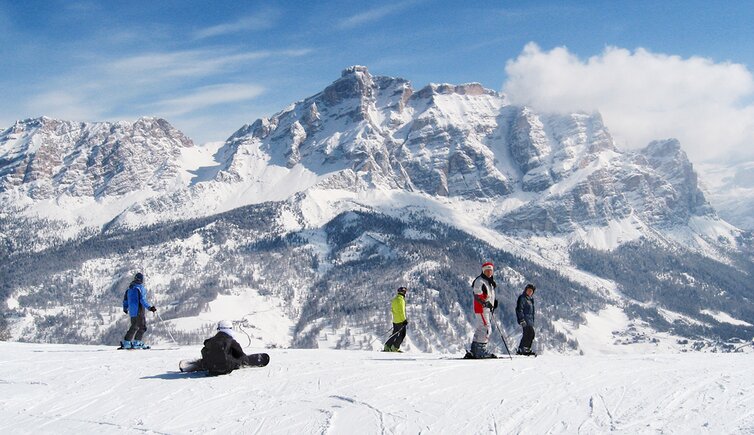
[{"x": 398, "y": 305}]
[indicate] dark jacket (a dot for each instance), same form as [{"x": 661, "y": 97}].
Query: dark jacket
[
  {"x": 221, "y": 354},
  {"x": 525, "y": 309}
]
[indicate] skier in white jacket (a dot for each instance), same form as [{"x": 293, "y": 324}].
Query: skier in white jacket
[{"x": 484, "y": 303}]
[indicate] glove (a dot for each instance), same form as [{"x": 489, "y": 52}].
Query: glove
[
  {"x": 496, "y": 304},
  {"x": 125, "y": 310},
  {"x": 523, "y": 323},
  {"x": 405, "y": 322},
  {"x": 153, "y": 309},
  {"x": 488, "y": 304}
]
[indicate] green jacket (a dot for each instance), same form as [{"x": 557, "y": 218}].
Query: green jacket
[{"x": 399, "y": 308}]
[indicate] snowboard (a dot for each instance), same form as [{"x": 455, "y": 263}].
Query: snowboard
[
  {"x": 145, "y": 347},
  {"x": 253, "y": 360}
]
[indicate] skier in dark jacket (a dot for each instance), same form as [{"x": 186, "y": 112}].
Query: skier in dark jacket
[
  {"x": 135, "y": 303},
  {"x": 525, "y": 318},
  {"x": 222, "y": 354}
]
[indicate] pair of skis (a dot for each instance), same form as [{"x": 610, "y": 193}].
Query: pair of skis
[{"x": 469, "y": 355}]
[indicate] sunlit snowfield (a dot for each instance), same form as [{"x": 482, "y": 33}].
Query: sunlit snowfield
[{"x": 96, "y": 389}]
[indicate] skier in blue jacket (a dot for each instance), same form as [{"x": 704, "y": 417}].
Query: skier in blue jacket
[{"x": 135, "y": 303}]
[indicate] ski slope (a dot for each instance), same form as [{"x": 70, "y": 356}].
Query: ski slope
[{"x": 46, "y": 388}]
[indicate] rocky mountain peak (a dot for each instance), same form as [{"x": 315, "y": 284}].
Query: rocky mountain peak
[
  {"x": 354, "y": 83},
  {"x": 472, "y": 89},
  {"x": 47, "y": 157}
]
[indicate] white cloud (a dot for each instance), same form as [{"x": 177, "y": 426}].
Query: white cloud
[
  {"x": 261, "y": 21},
  {"x": 100, "y": 90},
  {"x": 643, "y": 96},
  {"x": 371, "y": 15},
  {"x": 74, "y": 106},
  {"x": 151, "y": 67},
  {"x": 208, "y": 96}
]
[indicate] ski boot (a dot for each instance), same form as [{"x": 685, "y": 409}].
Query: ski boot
[
  {"x": 138, "y": 344},
  {"x": 126, "y": 344},
  {"x": 479, "y": 351},
  {"x": 525, "y": 351}
]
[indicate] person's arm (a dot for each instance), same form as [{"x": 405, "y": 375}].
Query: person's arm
[
  {"x": 520, "y": 309},
  {"x": 481, "y": 294},
  {"x": 143, "y": 298},
  {"x": 236, "y": 350},
  {"x": 402, "y": 307}
]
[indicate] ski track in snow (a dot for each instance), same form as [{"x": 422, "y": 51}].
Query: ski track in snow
[{"x": 57, "y": 389}]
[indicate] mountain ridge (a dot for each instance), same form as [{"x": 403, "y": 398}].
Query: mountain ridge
[{"x": 451, "y": 174}]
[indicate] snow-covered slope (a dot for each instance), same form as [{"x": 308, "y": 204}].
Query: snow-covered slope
[{"x": 87, "y": 389}]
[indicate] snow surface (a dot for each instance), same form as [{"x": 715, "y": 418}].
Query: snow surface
[
  {"x": 46, "y": 388},
  {"x": 269, "y": 325},
  {"x": 724, "y": 317}
]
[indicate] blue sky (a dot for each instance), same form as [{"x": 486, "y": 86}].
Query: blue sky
[{"x": 211, "y": 66}]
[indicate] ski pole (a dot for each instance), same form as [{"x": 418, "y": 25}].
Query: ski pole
[
  {"x": 167, "y": 329},
  {"x": 391, "y": 335},
  {"x": 239, "y": 323},
  {"x": 375, "y": 338},
  {"x": 492, "y": 320}
]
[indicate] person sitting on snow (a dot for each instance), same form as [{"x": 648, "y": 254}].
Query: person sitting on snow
[{"x": 222, "y": 353}]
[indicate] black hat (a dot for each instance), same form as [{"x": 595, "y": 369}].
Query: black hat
[
  {"x": 402, "y": 290},
  {"x": 139, "y": 278}
]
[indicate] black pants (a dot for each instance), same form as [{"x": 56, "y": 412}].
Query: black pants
[
  {"x": 138, "y": 326},
  {"x": 399, "y": 333},
  {"x": 527, "y": 338}
]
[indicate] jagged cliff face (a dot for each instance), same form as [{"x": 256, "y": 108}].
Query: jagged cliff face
[
  {"x": 47, "y": 158},
  {"x": 387, "y": 133},
  {"x": 362, "y": 132},
  {"x": 467, "y": 142}
]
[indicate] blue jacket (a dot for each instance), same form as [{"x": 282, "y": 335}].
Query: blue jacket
[
  {"x": 525, "y": 309},
  {"x": 136, "y": 296}
]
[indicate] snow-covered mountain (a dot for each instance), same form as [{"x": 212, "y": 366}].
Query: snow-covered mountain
[
  {"x": 360, "y": 188},
  {"x": 47, "y": 158},
  {"x": 730, "y": 188}
]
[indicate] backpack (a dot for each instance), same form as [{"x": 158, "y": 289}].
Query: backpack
[{"x": 216, "y": 356}]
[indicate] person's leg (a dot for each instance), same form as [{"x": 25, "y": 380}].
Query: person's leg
[
  {"x": 481, "y": 334},
  {"x": 528, "y": 337},
  {"x": 142, "y": 325},
  {"x": 132, "y": 330},
  {"x": 401, "y": 335},
  {"x": 522, "y": 341},
  {"x": 390, "y": 344}
]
